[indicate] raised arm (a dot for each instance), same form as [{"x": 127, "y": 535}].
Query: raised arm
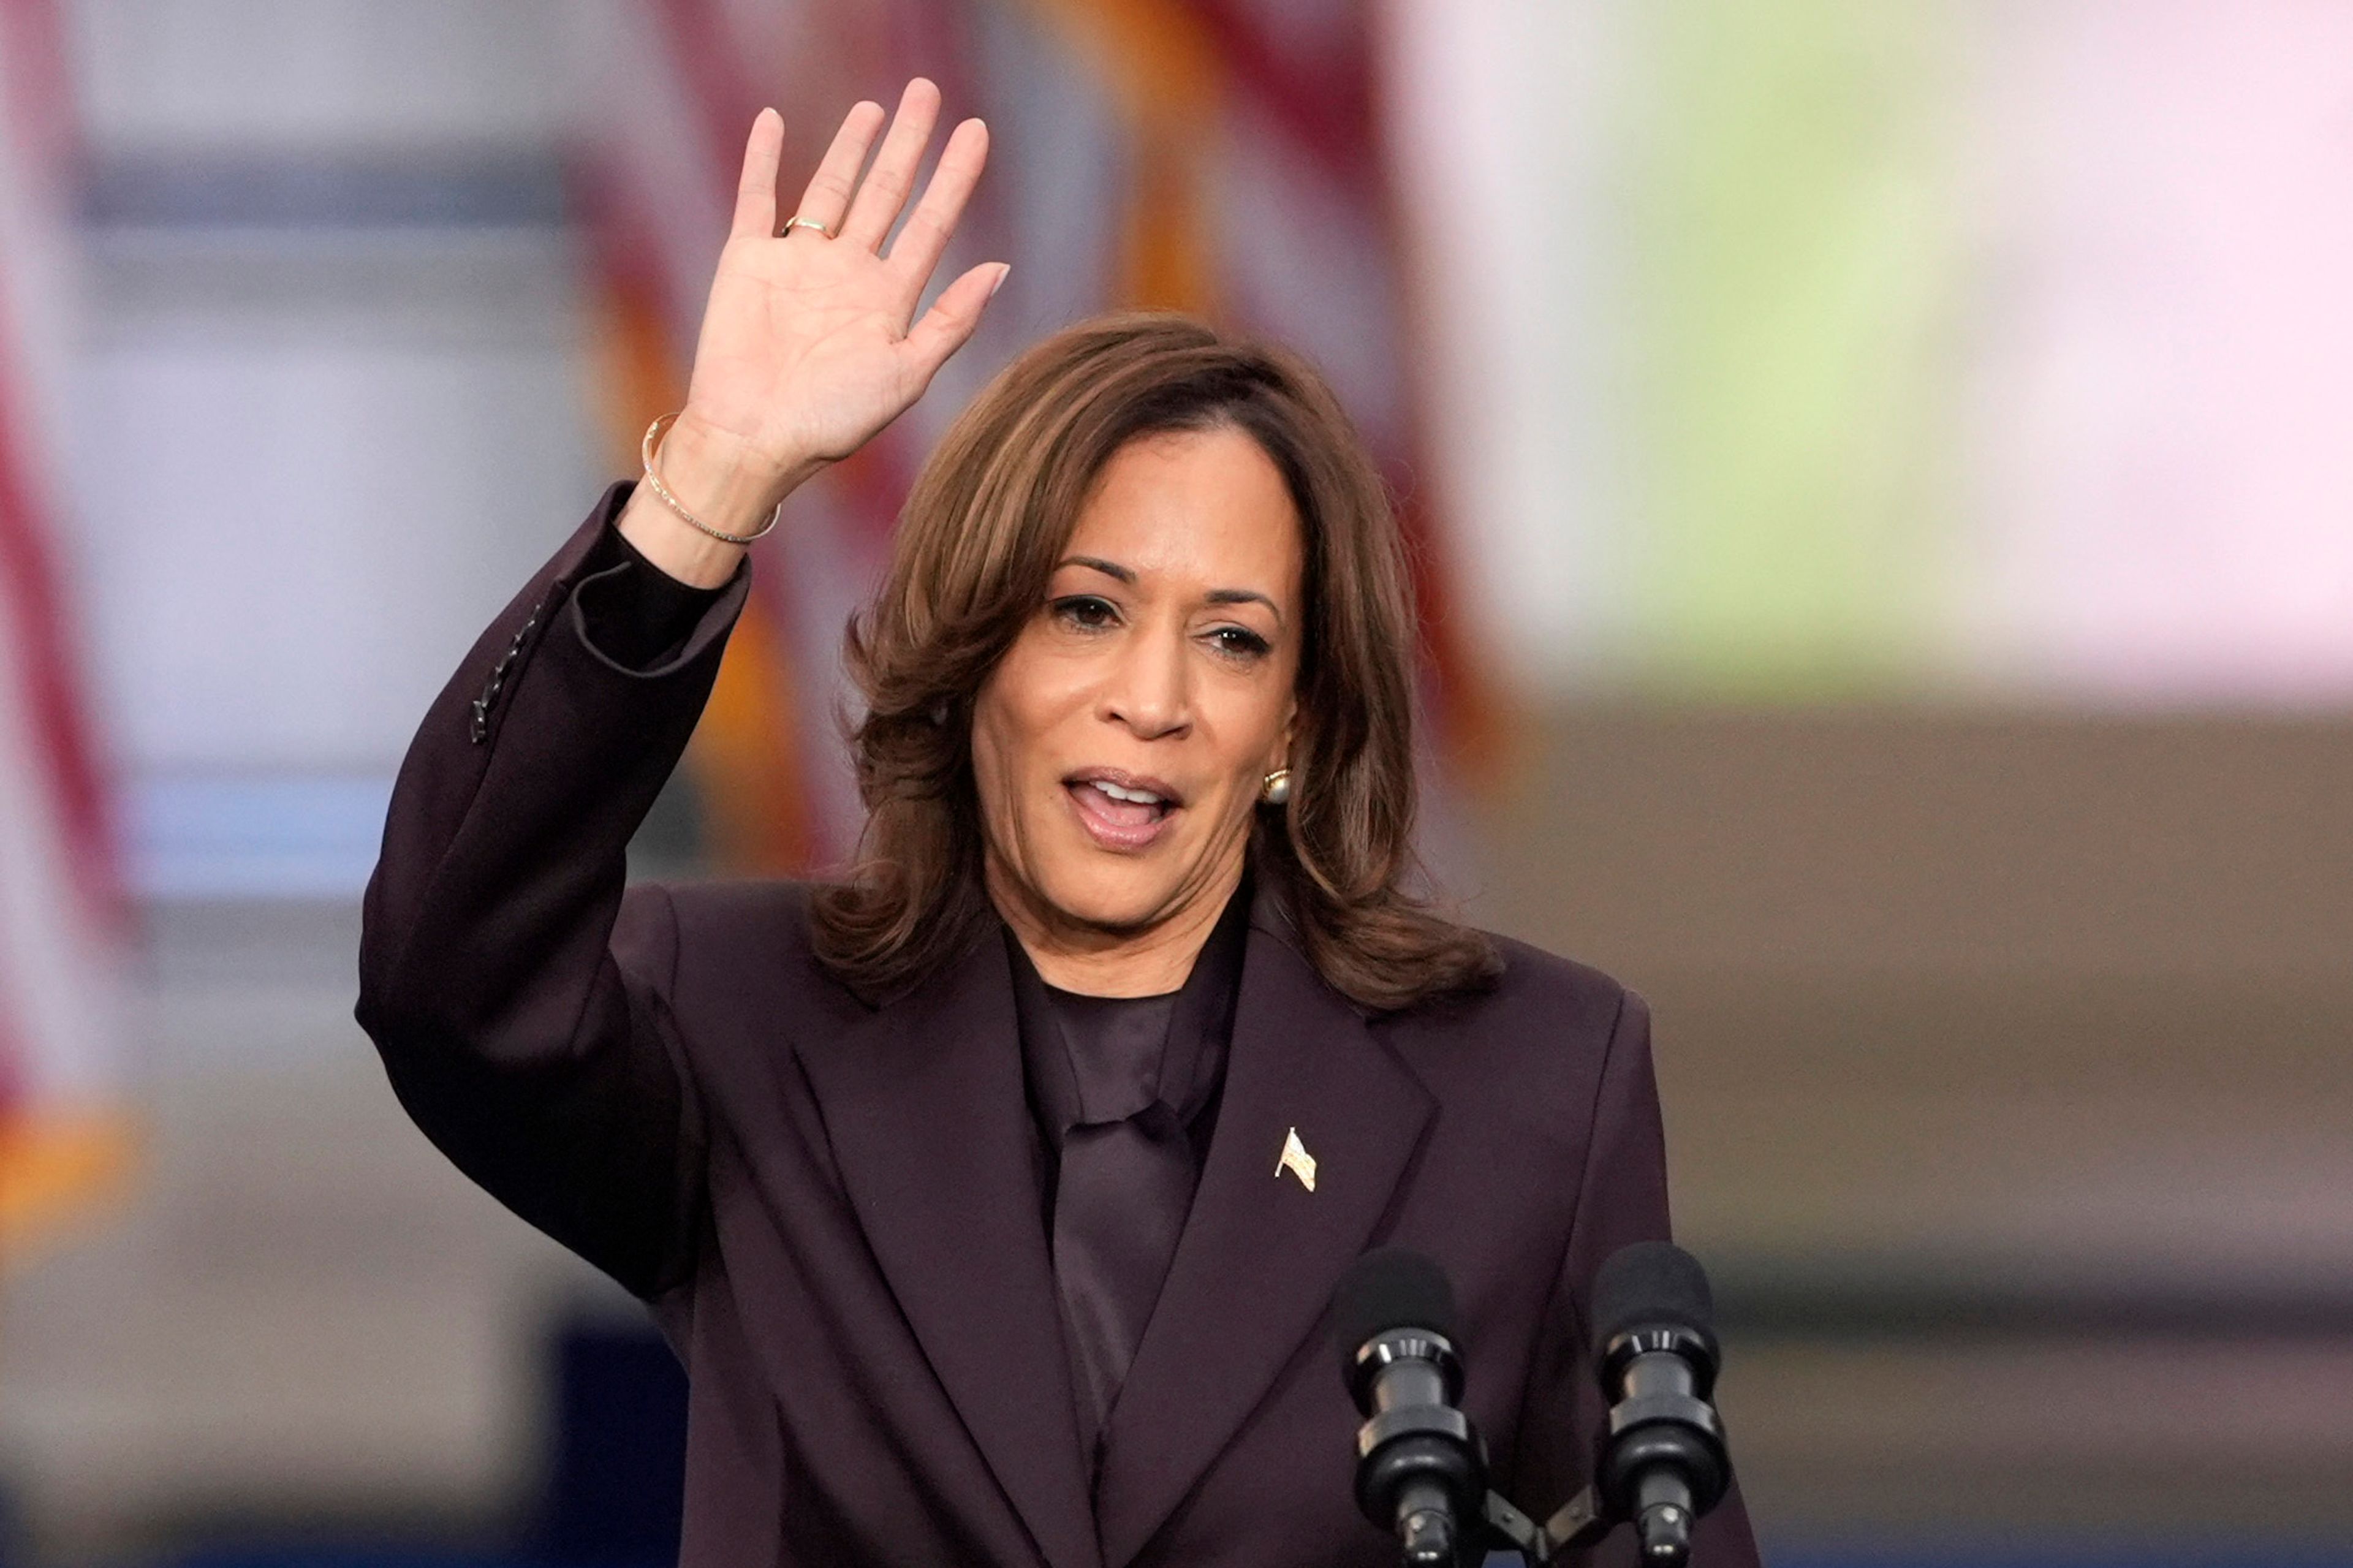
[{"x": 519, "y": 998}]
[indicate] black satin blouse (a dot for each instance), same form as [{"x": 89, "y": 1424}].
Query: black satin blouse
[{"x": 1156, "y": 1063}]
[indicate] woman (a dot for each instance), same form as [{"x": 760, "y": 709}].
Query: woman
[{"x": 993, "y": 1196}]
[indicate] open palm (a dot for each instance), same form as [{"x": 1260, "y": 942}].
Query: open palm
[{"x": 810, "y": 341}]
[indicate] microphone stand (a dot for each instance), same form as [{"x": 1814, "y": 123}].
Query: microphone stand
[{"x": 1580, "y": 1522}]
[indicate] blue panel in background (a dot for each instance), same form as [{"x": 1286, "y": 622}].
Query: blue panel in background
[
  {"x": 616, "y": 1490},
  {"x": 255, "y": 835}
]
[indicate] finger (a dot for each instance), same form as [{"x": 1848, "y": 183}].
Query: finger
[
  {"x": 755, "y": 190},
  {"x": 827, "y": 197},
  {"x": 876, "y": 206},
  {"x": 951, "y": 317},
  {"x": 924, "y": 238}
]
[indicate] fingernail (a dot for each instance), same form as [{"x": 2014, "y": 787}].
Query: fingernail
[{"x": 1002, "y": 271}]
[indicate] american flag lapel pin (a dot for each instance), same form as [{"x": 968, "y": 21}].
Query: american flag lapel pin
[{"x": 1296, "y": 1160}]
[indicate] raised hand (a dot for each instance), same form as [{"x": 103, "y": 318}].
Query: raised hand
[{"x": 810, "y": 343}]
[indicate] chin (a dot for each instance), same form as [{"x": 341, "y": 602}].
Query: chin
[
  {"x": 1114, "y": 897},
  {"x": 1114, "y": 900}
]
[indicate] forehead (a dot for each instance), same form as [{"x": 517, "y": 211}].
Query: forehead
[{"x": 1206, "y": 507}]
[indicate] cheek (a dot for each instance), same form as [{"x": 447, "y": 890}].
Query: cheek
[
  {"x": 987, "y": 755},
  {"x": 1247, "y": 731},
  {"x": 1014, "y": 717},
  {"x": 1254, "y": 724},
  {"x": 997, "y": 752}
]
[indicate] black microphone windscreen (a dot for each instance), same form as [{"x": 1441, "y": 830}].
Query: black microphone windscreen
[
  {"x": 1389, "y": 1288},
  {"x": 1650, "y": 1284}
]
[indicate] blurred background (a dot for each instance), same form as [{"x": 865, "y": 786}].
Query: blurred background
[{"x": 1884, "y": 477}]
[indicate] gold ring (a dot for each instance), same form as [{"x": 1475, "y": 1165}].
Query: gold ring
[{"x": 804, "y": 223}]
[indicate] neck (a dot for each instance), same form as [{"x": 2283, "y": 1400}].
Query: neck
[{"x": 1094, "y": 961}]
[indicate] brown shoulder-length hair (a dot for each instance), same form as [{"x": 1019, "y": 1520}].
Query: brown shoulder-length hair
[{"x": 988, "y": 517}]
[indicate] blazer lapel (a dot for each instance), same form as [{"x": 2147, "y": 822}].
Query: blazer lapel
[
  {"x": 925, "y": 1107},
  {"x": 1254, "y": 1269}
]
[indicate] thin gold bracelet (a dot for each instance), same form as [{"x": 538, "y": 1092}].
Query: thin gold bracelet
[{"x": 646, "y": 450}]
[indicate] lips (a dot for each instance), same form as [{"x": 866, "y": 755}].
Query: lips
[{"x": 1120, "y": 810}]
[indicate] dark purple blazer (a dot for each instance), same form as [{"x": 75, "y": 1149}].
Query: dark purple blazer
[{"x": 831, "y": 1204}]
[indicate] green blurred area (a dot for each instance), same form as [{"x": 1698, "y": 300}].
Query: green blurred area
[{"x": 1792, "y": 231}]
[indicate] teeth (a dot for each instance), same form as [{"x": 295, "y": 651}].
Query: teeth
[{"x": 1134, "y": 796}]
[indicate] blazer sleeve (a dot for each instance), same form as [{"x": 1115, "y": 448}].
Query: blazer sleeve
[
  {"x": 1621, "y": 1198},
  {"x": 518, "y": 998}
]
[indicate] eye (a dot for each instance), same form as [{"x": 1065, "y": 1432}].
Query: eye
[
  {"x": 1239, "y": 642},
  {"x": 1086, "y": 612}
]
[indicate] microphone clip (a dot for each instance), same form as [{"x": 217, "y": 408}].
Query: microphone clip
[{"x": 1663, "y": 1461}]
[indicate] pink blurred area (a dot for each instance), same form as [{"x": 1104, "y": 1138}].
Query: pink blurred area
[{"x": 2162, "y": 409}]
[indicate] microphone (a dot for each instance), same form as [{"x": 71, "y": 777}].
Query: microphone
[
  {"x": 1664, "y": 1463},
  {"x": 1421, "y": 1470}
]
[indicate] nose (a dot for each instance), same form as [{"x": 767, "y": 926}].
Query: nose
[{"x": 1149, "y": 688}]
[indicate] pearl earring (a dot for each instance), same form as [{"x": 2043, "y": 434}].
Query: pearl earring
[{"x": 1277, "y": 788}]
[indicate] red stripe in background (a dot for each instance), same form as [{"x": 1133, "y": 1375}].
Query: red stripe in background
[
  {"x": 12, "y": 1073},
  {"x": 39, "y": 94},
  {"x": 1324, "y": 103},
  {"x": 1325, "y": 96},
  {"x": 725, "y": 98},
  {"x": 40, "y": 113},
  {"x": 66, "y": 754}
]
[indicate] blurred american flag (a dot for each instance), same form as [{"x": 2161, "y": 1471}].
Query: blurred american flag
[{"x": 61, "y": 1133}]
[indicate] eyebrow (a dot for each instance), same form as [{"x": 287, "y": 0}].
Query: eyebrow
[{"x": 1112, "y": 569}]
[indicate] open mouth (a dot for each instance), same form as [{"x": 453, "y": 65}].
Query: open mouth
[{"x": 1121, "y": 811}]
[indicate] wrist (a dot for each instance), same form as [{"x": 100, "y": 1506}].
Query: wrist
[
  {"x": 714, "y": 478},
  {"x": 720, "y": 477}
]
